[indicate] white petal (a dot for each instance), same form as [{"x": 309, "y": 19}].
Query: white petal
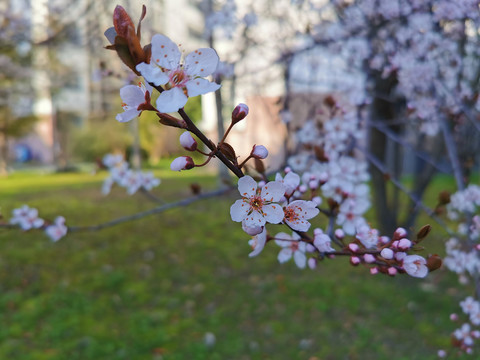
[
  {"x": 299, "y": 225},
  {"x": 200, "y": 86},
  {"x": 273, "y": 191},
  {"x": 259, "y": 243},
  {"x": 247, "y": 186},
  {"x": 171, "y": 100},
  {"x": 283, "y": 239},
  {"x": 300, "y": 259},
  {"x": 127, "y": 115},
  {"x": 273, "y": 213},
  {"x": 284, "y": 255},
  {"x": 201, "y": 62},
  {"x": 254, "y": 219},
  {"x": 165, "y": 52},
  {"x": 239, "y": 210},
  {"x": 153, "y": 74},
  {"x": 132, "y": 95}
]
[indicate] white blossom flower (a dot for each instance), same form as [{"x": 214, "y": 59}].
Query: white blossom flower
[
  {"x": 415, "y": 266},
  {"x": 149, "y": 181},
  {"x": 322, "y": 241},
  {"x": 258, "y": 208},
  {"x": 298, "y": 212},
  {"x": 27, "y": 218},
  {"x": 132, "y": 97},
  {"x": 57, "y": 230},
  {"x": 179, "y": 80},
  {"x": 291, "y": 247}
]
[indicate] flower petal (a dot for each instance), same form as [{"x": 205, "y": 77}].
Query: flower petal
[
  {"x": 152, "y": 73},
  {"x": 247, "y": 186},
  {"x": 165, "y": 52},
  {"x": 239, "y": 210},
  {"x": 200, "y": 86},
  {"x": 300, "y": 259},
  {"x": 254, "y": 219},
  {"x": 284, "y": 255},
  {"x": 273, "y": 191},
  {"x": 273, "y": 213},
  {"x": 283, "y": 239},
  {"x": 258, "y": 243},
  {"x": 299, "y": 225},
  {"x": 201, "y": 62},
  {"x": 127, "y": 115},
  {"x": 171, "y": 100},
  {"x": 132, "y": 95}
]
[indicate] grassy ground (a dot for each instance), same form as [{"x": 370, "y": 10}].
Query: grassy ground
[{"x": 153, "y": 289}]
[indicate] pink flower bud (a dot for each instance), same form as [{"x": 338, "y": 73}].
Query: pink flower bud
[
  {"x": 188, "y": 142},
  {"x": 252, "y": 230},
  {"x": 239, "y": 113},
  {"x": 476, "y": 334},
  {"x": 369, "y": 258},
  {"x": 400, "y": 233},
  {"x": 317, "y": 199},
  {"x": 303, "y": 188},
  {"x": 339, "y": 234},
  {"x": 374, "y": 271},
  {"x": 312, "y": 263},
  {"x": 387, "y": 253},
  {"x": 259, "y": 152},
  {"x": 404, "y": 244},
  {"x": 287, "y": 170},
  {"x": 453, "y": 317},
  {"x": 384, "y": 239},
  {"x": 399, "y": 256},
  {"x": 392, "y": 271},
  {"x": 182, "y": 163},
  {"x": 355, "y": 260},
  {"x": 353, "y": 247}
]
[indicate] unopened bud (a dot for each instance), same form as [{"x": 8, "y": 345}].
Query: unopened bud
[
  {"x": 387, "y": 253},
  {"x": 400, "y": 233},
  {"x": 188, "y": 142},
  {"x": 392, "y": 271},
  {"x": 404, "y": 244},
  {"x": 353, "y": 247},
  {"x": 252, "y": 230},
  {"x": 374, "y": 271},
  {"x": 434, "y": 262},
  {"x": 355, "y": 260},
  {"x": 423, "y": 232},
  {"x": 259, "y": 152},
  {"x": 340, "y": 234},
  {"x": 369, "y": 258},
  {"x": 182, "y": 163},
  {"x": 239, "y": 113}
]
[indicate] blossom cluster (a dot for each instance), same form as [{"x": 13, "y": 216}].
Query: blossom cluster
[
  {"x": 412, "y": 44},
  {"x": 276, "y": 202},
  {"x": 27, "y": 219},
  {"x": 122, "y": 175}
]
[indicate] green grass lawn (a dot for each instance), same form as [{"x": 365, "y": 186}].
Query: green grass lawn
[{"x": 153, "y": 288}]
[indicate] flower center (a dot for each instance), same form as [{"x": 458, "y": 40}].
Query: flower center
[
  {"x": 178, "y": 78},
  {"x": 294, "y": 246},
  {"x": 290, "y": 215},
  {"x": 256, "y": 203}
]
